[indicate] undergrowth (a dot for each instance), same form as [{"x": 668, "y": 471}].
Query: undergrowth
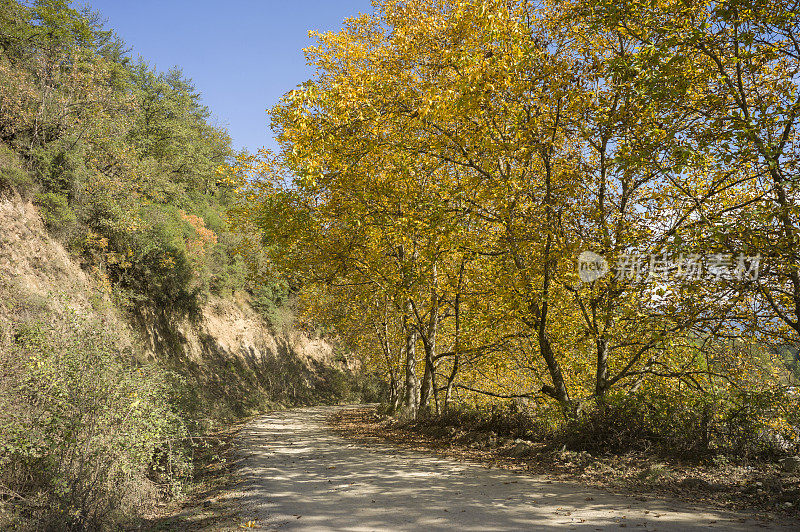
[{"x": 740, "y": 428}]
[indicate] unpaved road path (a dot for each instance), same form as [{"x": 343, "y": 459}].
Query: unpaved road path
[{"x": 298, "y": 475}]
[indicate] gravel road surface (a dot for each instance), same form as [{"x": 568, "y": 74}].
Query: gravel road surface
[{"x": 298, "y": 475}]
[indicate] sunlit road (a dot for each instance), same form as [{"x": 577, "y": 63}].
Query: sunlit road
[{"x": 297, "y": 475}]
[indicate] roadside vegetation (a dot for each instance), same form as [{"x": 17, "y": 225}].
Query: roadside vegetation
[{"x": 766, "y": 489}]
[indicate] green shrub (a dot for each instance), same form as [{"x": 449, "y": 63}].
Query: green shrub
[
  {"x": 15, "y": 179},
  {"x": 60, "y": 166},
  {"x": 158, "y": 273},
  {"x": 763, "y": 424},
  {"x": 741, "y": 425},
  {"x": 58, "y": 216},
  {"x": 642, "y": 423},
  {"x": 336, "y": 386},
  {"x": 86, "y": 437},
  {"x": 738, "y": 425},
  {"x": 273, "y": 300},
  {"x": 505, "y": 419}
]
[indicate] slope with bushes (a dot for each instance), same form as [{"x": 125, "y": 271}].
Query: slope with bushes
[{"x": 127, "y": 332}]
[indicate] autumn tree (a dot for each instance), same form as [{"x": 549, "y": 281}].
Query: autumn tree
[
  {"x": 730, "y": 69},
  {"x": 456, "y": 157}
]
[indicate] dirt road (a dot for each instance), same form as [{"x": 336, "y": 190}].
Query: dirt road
[{"x": 297, "y": 475}]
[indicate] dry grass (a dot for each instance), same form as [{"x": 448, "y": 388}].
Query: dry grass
[{"x": 208, "y": 504}]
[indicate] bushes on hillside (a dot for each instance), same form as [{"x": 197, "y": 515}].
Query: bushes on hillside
[
  {"x": 58, "y": 216},
  {"x": 121, "y": 154},
  {"x": 86, "y": 436},
  {"x": 12, "y": 176},
  {"x": 741, "y": 425},
  {"x": 15, "y": 179}
]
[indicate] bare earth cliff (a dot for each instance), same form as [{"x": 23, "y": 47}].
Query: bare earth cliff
[{"x": 227, "y": 344}]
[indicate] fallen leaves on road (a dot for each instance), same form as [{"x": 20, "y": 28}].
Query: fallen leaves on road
[{"x": 759, "y": 488}]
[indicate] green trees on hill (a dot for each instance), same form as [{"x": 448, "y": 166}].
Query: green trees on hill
[
  {"x": 126, "y": 163},
  {"x": 124, "y": 166}
]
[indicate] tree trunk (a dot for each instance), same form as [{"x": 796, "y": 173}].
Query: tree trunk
[
  {"x": 411, "y": 398},
  {"x": 601, "y": 377},
  {"x": 428, "y": 391},
  {"x": 382, "y": 332},
  {"x": 456, "y": 336},
  {"x": 429, "y": 344},
  {"x": 448, "y": 396}
]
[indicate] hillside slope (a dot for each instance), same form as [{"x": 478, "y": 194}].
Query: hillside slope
[
  {"x": 89, "y": 391},
  {"x": 227, "y": 338},
  {"x": 130, "y": 326}
]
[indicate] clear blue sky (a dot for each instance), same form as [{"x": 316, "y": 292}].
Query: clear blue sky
[{"x": 243, "y": 55}]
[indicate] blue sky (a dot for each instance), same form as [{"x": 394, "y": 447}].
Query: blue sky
[{"x": 243, "y": 55}]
